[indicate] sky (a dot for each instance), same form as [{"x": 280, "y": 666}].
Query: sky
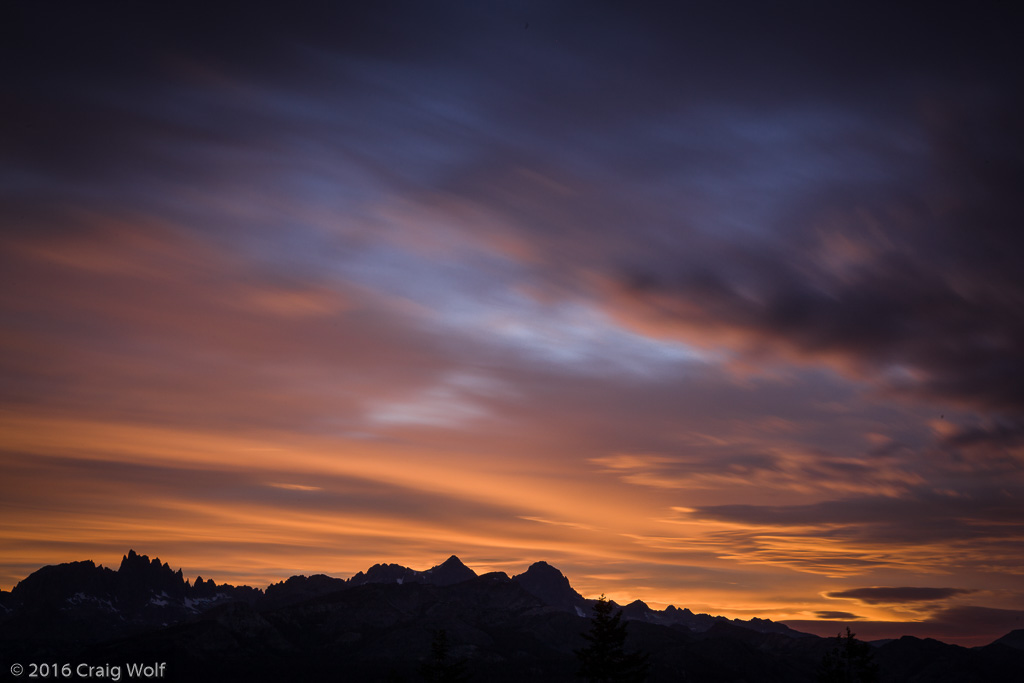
[{"x": 717, "y": 306}]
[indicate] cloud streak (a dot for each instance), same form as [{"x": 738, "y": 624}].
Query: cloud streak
[{"x": 881, "y": 595}]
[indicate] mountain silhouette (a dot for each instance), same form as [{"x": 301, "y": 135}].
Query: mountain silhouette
[
  {"x": 449, "y": 573},
  {"x": 1014, "y": 639},
  {"x": 548, "y": 584},
  {"x": 380, "y": 625}
]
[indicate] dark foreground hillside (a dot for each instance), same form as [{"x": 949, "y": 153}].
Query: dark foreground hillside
[{"x": 383, "y": 626}]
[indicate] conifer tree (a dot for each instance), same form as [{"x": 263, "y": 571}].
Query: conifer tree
[
  {"x": 605, "y": 659},
  {"x": 851, "y": 661}
]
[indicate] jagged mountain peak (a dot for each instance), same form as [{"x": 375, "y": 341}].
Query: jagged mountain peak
[
  {"x": 453, "y": 561},
  {"x": 54, "y": 584},
  {"x": 138, "y": 575},
  {"x": 548, "y": 584},
  {"x": 541, "y": 568},
  {"x": 385, "y": 573},
  {"x": 542, "y": 572},
  {"x": 449, "y": 572},
  {"x": 133, "y": 561}
]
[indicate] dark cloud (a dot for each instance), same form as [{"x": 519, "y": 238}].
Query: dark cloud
[
  {"x": 887, "y": 595},
  {"x": 826, "y": 615},
  {"x": 912, "y": 286},
  {"x": 993, "y": 434}
]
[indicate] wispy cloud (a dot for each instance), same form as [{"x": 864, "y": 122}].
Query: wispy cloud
[
  {"x": 881, "y": 595},
  {"x": 295, "y": 487},
  {"x": 831, "y": 616}
]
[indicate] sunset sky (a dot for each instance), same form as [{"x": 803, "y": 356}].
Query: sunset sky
[{"x": 721, "y": 307}]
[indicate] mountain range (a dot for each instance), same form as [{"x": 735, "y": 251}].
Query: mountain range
[{"x": 381, "y": 624}]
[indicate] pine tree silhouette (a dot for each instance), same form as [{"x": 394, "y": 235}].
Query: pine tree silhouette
[
  {"x": 605, "y": 659},
  {"x": 851, "y": 661}
]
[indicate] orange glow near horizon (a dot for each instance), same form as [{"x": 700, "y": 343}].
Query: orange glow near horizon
[{"x": 279, "y": 509}]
